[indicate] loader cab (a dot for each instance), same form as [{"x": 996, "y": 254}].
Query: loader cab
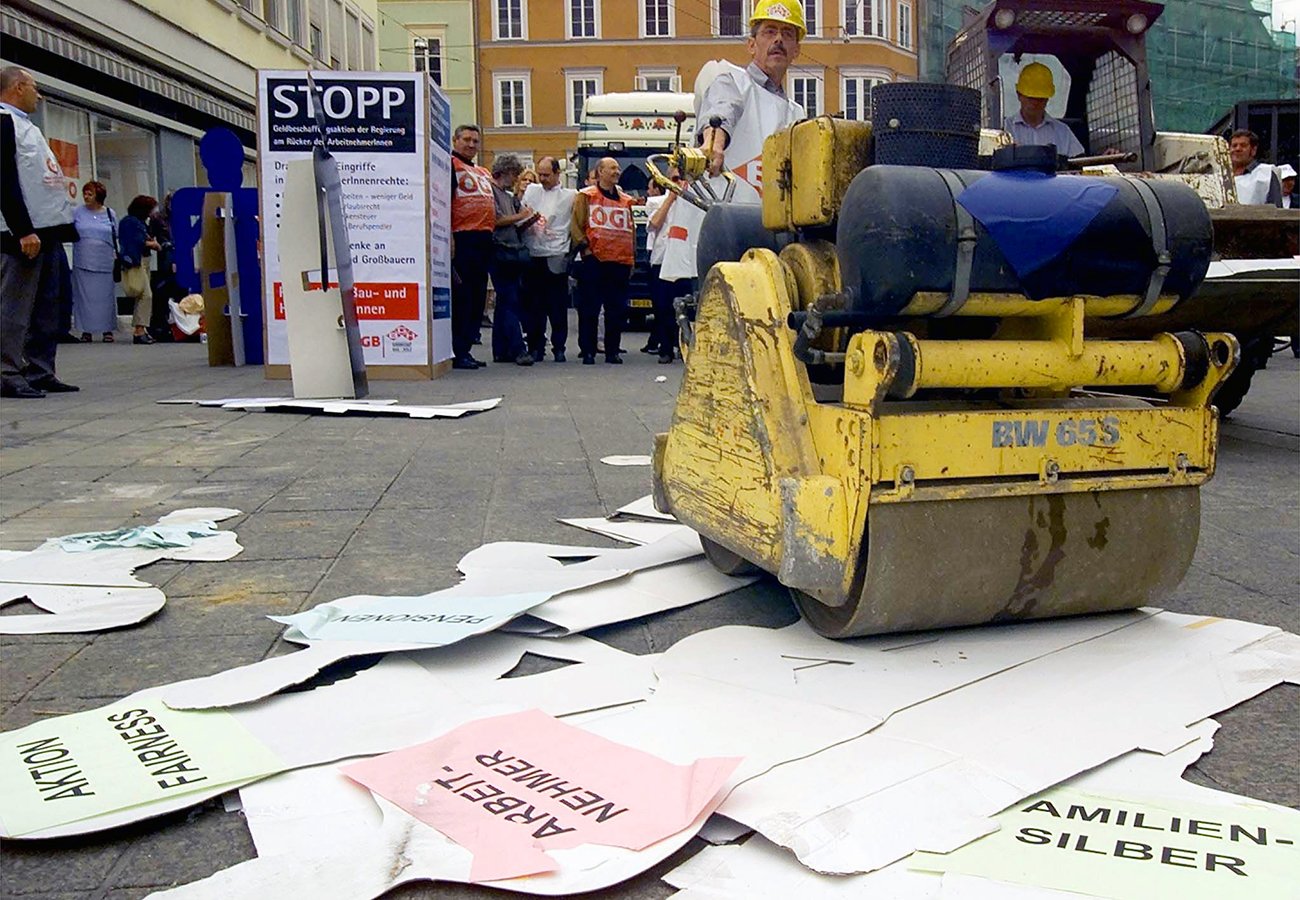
[{"x": 1097, "y": 53}]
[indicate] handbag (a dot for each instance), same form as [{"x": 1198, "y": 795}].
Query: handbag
[
  {"x": 117, "y": 260},
  {"x": 135, "y": 281}
]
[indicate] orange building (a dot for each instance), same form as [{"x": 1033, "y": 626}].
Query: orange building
[{"x": 539, "y": 59}]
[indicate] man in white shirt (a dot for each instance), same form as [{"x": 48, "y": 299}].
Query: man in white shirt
[
  {"x": 655, "y": 249},
  {"x": 678, "y": 225},
  {"x": 546, "y": 281},
  {"x": 1257, "y": 184},
  {"x": 1032, "y": 126}
]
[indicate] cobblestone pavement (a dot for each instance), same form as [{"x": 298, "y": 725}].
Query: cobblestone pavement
[{"x": 336, "y": 506}]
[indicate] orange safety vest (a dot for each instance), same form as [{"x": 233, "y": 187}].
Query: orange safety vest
[
  {"x": 472, "y": 206},
  {"x": 611, "y": 234}
]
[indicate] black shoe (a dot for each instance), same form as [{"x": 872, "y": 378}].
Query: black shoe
[
  {"x": 588, "y": 359},
  {"x": 52, "y": 385},
  {"x": 86, "y": 338},
  {"x": 524, "y": 359},
  {"x": 614, "y": 360},
  {"x": 538, "y": 355},
  {"x": 20, "y": 391},
  {"x": 502, "y": 359},
  {"x": 559, "y": 355},
  {"x": 665, "y": 358},
  {"x": 650, "y": 348},
  {"x": 67, "y": 338},
  {"x": 142, "y": 339},
  {"x": 465, "y": 362}
]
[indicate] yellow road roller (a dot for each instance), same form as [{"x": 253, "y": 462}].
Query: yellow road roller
[{"x": 891, "y": 401}]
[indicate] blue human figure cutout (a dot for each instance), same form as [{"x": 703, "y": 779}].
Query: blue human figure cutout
[{"x": 222, "y": 156}]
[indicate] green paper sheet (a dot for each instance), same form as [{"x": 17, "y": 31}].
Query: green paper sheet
[
  {"x": 130, "y": 753},
  {"x": 1136, "y": 848}
]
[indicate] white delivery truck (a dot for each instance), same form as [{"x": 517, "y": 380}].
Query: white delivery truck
[{"x": 631, "y": 127}]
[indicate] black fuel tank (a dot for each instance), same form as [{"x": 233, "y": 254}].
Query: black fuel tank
[{"x": 1037, "y": 234}]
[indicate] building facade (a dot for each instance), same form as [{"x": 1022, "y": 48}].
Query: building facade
[
  {"x": 131, "y": 85},
  {"x": 539, "y": 59},
  {"x": 434, "y": 36}
]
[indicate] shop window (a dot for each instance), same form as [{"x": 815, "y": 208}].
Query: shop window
[{"x": 93, "y": 146}]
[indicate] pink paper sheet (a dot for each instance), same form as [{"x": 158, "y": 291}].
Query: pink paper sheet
[{"x": 509, "y": 788}]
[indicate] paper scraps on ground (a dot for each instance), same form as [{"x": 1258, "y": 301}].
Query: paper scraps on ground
[
  {"x": 152, "y": 536},
  {"x": 642, "y": 508},
  {"x": 126, "y": 755},
  {"x": 509, "y": 563},
  {"x": 94, "y": 590},
  {"x": 761, "y": 870},
  {"x": 1134, "y": 829},
  {"x": 346, "y": 407},
  {"x": 509, "y": 788},
  {"x": 960, "y": 755},
  {"x": 628, "y": 460},
  {"x": 400, "y": 701},
  {"x": 631, "y": 531}
]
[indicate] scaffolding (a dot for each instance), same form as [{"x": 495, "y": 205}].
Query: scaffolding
[{"x": 1204, "y": 56}]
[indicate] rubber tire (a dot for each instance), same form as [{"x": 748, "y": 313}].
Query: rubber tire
[
  {"x": 725, "y": 561},
  {"x": 1234, "y": 388}
]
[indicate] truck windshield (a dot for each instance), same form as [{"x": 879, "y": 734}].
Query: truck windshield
[{"x": 634, "y": 178}]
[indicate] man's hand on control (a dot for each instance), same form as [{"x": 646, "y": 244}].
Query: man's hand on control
[
  {"x": 714, "y": 145},
  {"x": 30, "y": 245}
]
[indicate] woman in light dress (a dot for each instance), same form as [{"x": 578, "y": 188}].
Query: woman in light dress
[{"x": 94, "y": 295}]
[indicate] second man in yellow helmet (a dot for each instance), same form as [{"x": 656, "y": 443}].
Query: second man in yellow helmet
[{"x": 1032, "y": 126}]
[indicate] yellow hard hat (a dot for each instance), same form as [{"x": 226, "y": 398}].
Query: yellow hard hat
[
  {"x": 788, "y": 11},
  {"x": 1036, "y": 81}
]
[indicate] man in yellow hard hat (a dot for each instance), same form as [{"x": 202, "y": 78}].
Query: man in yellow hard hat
[
  {"x": 751, "y": 102},
  {"x": 1032, "y": 126}
]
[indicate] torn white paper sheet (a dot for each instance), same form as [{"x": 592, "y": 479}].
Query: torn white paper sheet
[
  {"x": 724, "y": 721},
  {"x": 761, "y": 870},
  {"x": 395, "y": 703},
  {"x": 151, "y": 536},
  {"x": 95, "y": 590},
  {"x": 77, "y": 609},
  {"x": 640, "y": 594},
  {"x": 629, "y": 531},
  {"x": 643, "y": 508},
  {"x": 626, "y": 460},
  {"x": 112, "y": 567},
  {"x": 433, "y": 619},
  {"x": 345, "y": 407},
  {"x": 931, "y": 777},
  {"x": 492, "y": 564}
]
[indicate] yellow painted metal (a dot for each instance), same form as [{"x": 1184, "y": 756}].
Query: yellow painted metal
[
  {"x": 927, "y": 303},
  {"x": 810, "y": 165},
  {"x": 756, "y": 464}
]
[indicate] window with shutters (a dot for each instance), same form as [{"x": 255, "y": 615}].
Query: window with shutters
[{"x": 355, "y": 56}]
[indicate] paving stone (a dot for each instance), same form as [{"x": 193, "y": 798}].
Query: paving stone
[
  {"x": 24, "y": 664},
  {"x": 238, "y": 576},
  {"x": 297, "y": 535}
]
